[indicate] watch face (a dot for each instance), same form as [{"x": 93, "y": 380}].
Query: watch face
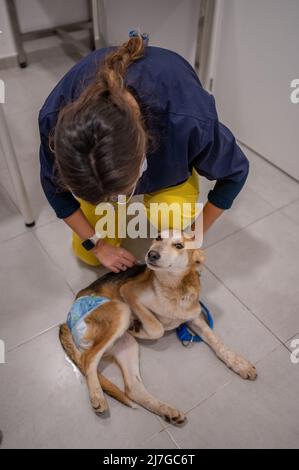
[{"x": 88, "y": 245}]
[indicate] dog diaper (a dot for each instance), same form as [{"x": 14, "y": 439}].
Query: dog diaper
[{"x": 81, "y": 308}]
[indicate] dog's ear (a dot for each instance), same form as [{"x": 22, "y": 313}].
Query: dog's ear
[{"x": 198, "y": 259}]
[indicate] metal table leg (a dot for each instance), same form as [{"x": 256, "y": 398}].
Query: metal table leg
[
  {"x": 15, "y": 172},
  {"x": 63, "y": 31},
  {"x": 95, "y": 17},
  {"x": 12, "y": 11},
  {"x": 95, "y": 22}
]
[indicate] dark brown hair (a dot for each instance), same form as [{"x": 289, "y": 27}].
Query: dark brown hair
[{"x": 100, "y": 138}]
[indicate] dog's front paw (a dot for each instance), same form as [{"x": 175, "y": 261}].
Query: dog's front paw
[
  {"x": 172, "y": 415},
  {"x": 244, "y": 368},
  {"x": 135, "y": 326}
]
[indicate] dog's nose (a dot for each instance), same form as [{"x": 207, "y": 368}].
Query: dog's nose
[{"x": 153, "y": 255}]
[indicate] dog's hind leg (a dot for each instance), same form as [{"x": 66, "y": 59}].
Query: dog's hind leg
[
  {"x": 69, "y": 346},
  {"x": 233, "y": 360},
  {"x": 105, "y": 325},
  {"x": 75, "y": 355},
  {"x": 126, "y": 354}
]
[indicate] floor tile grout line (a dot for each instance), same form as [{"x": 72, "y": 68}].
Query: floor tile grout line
[
  {"x": 32, "y": 231},
  {"x": 289, "y": 349},
  {"x": 286, "y": 347},
  {"x": 242, "y": 228},
  {"x": 161, "y": 423},
  {"x": 26, "y": 230},
  {"x": 167, "y": 426},
  {"x": 290, "y": 218},
  {"x": 246, "y": 306},
  {"x": 149, "y": 438},
  {"x": 275, "y": 209},
  {"x": 57, "y": 267},
  {"x": 260, "y": 196},
  {"x": 296, "y": 336},
  {"x": 44, "y": 224},
  {"x": 284, "y": 206},
  {"x": 280, "y": 170},
  {"x": 67, "y": 285},
  {"x": 225, "y": 385},
  {"x": 152, "y": 436},
  {"x": 32, "y": 338},
  {"x": 172, "y": 438},
  {"x": 234, "y": 379},
  {"x": 229, "y": 382},
  {"x": 7, "y": 193}
]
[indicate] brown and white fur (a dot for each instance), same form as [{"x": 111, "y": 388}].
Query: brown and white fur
[{"x": 145, "y": 302}]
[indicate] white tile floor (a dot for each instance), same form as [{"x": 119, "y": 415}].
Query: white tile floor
[{"x": 250, "y": 284}]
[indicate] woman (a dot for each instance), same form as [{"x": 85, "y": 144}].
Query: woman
[{"x": 132, "y": 119}]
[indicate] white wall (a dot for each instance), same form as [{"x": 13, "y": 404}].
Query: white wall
[
  {"x": 258, "y": 58},
  {"x": 7, "y": 46},
  {"x": 171, "y": 23}
]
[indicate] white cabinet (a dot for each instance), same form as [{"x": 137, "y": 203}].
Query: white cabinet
[
  {"x": 170, "y": 23},
  {"x": 257, "y": 60}
]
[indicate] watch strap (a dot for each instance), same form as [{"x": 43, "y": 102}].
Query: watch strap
[{"x": 91, "y": 242}]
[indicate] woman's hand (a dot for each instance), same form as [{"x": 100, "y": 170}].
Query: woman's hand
[{"x": 114, "y": 258}]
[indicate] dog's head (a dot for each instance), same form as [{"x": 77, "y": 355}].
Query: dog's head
[{"x": 171, "y": 251}]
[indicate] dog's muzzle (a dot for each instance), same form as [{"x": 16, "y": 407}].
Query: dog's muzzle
[{"x": 153, "y": 256}]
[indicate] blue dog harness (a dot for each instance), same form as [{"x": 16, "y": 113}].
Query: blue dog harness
[
  {"x": 80, "y": 309},
  {"x": 185, "y": 336}
]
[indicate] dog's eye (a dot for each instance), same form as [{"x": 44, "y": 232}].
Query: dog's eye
[
  {"x": 158, "y": 238},
  {"x": 179, "y": 246}
]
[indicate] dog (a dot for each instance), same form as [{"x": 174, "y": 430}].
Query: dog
[{"x": 143, "y": 302}]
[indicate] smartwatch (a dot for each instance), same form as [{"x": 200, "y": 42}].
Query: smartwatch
[{"x": 91, "y": 242}]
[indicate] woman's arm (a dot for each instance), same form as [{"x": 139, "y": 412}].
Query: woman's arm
[
  {"x": 112, "y": 257},
  {"x": 80, "y": 225},
  {"x": 218, "y": 157},
  {"x": 210, "y": 215}
]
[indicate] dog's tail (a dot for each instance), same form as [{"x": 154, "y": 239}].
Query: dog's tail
[{"x": 74, "y": 354}]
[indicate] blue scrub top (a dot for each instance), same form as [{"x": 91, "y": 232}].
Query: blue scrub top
[{"x": 184, "y": 117}]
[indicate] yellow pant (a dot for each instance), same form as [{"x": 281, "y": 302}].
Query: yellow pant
[{"x": 187, "y": 192}]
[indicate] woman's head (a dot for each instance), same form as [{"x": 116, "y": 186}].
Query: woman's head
[{"x": 100, "y": 139}]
